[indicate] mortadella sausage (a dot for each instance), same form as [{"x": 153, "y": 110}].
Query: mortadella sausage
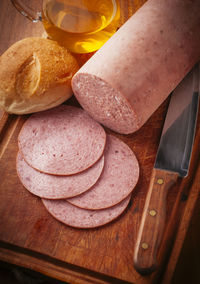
[
  {"x": 64, "y": 140},
  {"x": 76, "y": 217},
  {"x": 118, "y": 179},
  {"x": 135, "y": 71},
  {"x": 54, "y": 186}
]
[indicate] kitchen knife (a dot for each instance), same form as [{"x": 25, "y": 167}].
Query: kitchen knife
[{"x": 172, "y": 161}]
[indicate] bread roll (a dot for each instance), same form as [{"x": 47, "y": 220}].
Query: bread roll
[{"x": 35, "y": 75}]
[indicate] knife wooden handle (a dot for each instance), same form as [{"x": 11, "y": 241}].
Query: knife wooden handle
[{"x": 153, "y": 221}]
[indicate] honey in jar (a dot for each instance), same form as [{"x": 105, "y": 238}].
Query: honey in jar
[{"x": 82, "y": 26}]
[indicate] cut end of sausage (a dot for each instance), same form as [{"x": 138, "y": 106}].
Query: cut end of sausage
[{"x": 105, "y": 104}]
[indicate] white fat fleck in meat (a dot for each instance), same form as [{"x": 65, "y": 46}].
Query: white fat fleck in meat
[{"x": 117, "y": 99}]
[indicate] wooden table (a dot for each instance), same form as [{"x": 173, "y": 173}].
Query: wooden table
[{"x": 31, "y": 238}]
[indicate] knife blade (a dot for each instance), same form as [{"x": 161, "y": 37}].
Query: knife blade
[{"x": 172, "y": 161}]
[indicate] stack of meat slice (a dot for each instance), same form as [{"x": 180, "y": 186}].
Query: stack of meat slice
[{"x": 84, "y": 176}]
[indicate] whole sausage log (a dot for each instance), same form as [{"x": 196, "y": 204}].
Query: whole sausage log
[{"x": 134, "y": 72}]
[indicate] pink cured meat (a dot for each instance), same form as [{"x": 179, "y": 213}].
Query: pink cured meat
[
  {"x": 83, "y": 218},
  {"x": 61, "y": 141},
  {"x": 134, "y": 72},
  {"x": 57, "y": 187},
  {"x": 118, "y": 178}
]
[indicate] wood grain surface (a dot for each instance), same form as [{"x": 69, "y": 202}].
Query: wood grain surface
[
  {"x": 152, "y": 223},
  {"x": 31, "y": 238}
]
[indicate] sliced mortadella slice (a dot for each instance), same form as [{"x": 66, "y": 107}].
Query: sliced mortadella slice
[
  {"x": 83, "y": 218},
  {"x": 124, "y": 82},
  {"x": 61, "y": 141},
  {"x": 118, "y": 178},
  {"x": 57, "y": 187}
]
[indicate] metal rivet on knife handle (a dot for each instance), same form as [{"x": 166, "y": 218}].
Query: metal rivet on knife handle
[
  {"x": 160, "y": 181},
  {"x": 152, "y": 212},
  {"x": 144, "y": 245}
]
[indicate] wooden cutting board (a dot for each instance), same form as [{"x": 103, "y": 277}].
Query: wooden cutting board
[
  {"x": 32, "y": 238},
  {"x": 29, "y": 232}
]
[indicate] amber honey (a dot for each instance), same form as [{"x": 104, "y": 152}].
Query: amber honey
[{"x": 82, "y": 26}]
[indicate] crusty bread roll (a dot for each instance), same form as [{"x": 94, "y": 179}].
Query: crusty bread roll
[{"x": 35, "y": 74}]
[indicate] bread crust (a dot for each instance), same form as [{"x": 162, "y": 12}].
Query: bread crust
[{"x": 35, "y": 75}]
